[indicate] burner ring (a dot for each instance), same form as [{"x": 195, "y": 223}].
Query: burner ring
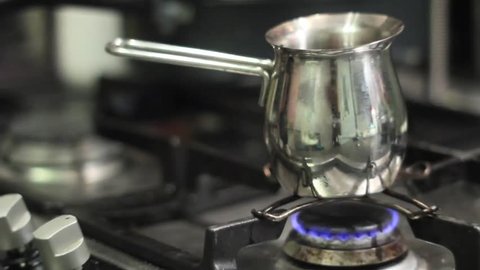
[
  {"x": 345, "y": 233},
  {"x": 350, "y": 258}
]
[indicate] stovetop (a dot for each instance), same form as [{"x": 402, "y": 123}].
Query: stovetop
[{"x": 199, "y": 217}]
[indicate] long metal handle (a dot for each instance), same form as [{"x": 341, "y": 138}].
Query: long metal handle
[{"x": 184, "y": 56}]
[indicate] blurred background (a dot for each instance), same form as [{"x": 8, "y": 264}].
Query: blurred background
[
  {"x": 70, "y": 113},
  {"x": 57, "y": 48}
]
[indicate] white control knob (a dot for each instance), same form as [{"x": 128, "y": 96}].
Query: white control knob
[
  {"x": 15, "y": 223},
  {"x": 61, "y": 244}
]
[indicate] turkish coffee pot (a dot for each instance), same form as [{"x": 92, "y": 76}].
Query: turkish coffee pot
[{"x": 335, "y": 119}]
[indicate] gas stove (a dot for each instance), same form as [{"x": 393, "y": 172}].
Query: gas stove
[
  {"x": 198, "y": 214},
  {"x": 342, "y": 235},
  {"x": 348, "y": 235}
]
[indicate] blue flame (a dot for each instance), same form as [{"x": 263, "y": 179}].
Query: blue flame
[{"x": 345, "y": 236}]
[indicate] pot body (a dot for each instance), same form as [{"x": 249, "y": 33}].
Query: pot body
[
  {"x": 335, "y": 125},
  {"x": 335, "y": 121}
]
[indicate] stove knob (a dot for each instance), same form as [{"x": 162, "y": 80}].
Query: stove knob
[
  {"x": 15, "y": 223},
  {"x": 61, "y": 244}
]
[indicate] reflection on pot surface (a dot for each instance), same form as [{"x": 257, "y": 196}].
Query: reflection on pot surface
[{"x": 335, "y": 118}]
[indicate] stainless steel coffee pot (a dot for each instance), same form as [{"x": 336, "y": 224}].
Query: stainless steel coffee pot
[{"x": 335, "y": 120}]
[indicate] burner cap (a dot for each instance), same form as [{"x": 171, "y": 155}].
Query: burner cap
[
  {"x": 345, "y": 233},
  {"x": 337, "y": 215}
]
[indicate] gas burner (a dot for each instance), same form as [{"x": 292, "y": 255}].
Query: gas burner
[
  {"x": 53, "y": 155},
  {"x": 346, "y": 233}
]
